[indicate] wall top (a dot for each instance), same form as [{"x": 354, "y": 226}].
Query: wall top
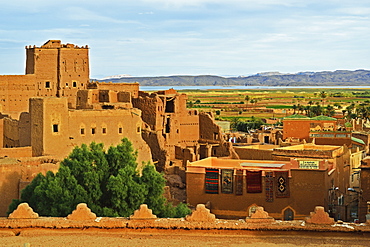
[{"x": 55, "y": 44}]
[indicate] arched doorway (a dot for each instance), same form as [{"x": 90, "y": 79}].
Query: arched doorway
[{"x": 288, "y": 214}]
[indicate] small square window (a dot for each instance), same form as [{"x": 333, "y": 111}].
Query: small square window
[
  {"x": 55, "y": 128},
  {"x": 82, "y": 130},
  {"x": 104, "y": 130},
  {"x": 47, "y": 84},
  {"x": 93, "y": 131}
]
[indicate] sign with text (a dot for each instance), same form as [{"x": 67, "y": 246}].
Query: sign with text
[{"x": 309, "y": 164}]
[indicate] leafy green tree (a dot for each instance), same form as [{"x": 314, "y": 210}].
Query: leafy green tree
[{"x": 108, "y": 181}]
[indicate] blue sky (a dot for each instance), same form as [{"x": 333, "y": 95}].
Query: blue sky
[{"x": 193, "y": 37}]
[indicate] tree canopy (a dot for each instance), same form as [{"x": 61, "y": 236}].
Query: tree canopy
[{"x": 108, "y": 181}]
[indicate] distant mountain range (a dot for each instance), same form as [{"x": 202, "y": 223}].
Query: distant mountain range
[{"x": 324, "y": 78}]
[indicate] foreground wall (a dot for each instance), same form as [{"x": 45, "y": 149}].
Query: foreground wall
[{"x": 200, "y": 219}]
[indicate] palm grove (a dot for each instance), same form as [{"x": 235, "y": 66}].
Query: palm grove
[{"x": 108, "y": 181}]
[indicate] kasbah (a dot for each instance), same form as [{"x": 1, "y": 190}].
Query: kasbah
[{"x": 309, "y": 164}]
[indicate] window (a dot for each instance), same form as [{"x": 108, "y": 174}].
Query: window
[
  {"x": 74, "y": 84},
  {"x": 120, "y": 130},
  {"x": 47, "y": 84},
  {"x": 55, "y": 128},
  {"x": 93, "y": 131},
  {"x": 82, "y": 130},
  {"x": 104, "y": 130},
  {"x": 138, "y": 129}
]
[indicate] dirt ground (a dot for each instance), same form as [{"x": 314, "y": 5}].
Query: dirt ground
[{"x": 155, "y": 237}]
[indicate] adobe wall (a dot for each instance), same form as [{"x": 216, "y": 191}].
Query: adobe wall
[
  {"x": 309, "y": 153},
  {"x": 132, "y": 88},
  {"x": 44, "y": 64},
  {"x": 102, "y": 99},
  {"x": 253, "y": 154},
  {"x": 296, "y": 129},
  {"x": 156, "y": 142},
  {"x": 24, "y": 128},
  {"x": 61, "y": 69},
  {"x": 75, "y": 127},
  {"x": 332, "y": 141},
  {"x": 14, "y": 93},
  {"x": 208, "y": 129},
  {"x": 16, "y": 152},
  {"x": 13, "y": 173},
  {"x": 1, "y": 132},
  {"x": 11, "y": 133},
  {"x": 365, "y": 194},
  {"x": 152, "y": 110},
  {"x": 24, "y": 218},
  {"x": 307, "y": 189}
]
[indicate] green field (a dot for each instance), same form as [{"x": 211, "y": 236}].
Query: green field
[{"x": 273, "y": 103}]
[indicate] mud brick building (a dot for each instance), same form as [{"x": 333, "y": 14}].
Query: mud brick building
[
  {"x": 54, "y": 107},
  {"x": 54, "y": 69},
  {"x": 324, "y": 130},
  {"x": 297, "y": 179}
]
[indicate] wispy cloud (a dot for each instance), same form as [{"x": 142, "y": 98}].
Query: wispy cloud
[{"x": 82, "y": 14}]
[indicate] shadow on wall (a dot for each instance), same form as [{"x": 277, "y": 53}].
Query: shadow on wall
[{"x": 9, "y": 190}]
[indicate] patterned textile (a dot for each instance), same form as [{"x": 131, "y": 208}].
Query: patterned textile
[
  {"x": 211, "y": 181},
  {"x": 269, "y": 186},
  {"x": 282, "y": 184},
  {"x": 227, "y": 181},
  {"x": 239, "y": 182},
  {"x": 254, "y": 181}
]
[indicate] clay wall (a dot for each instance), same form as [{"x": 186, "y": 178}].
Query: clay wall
[
  {"x": 200, "y": 221},
  {"x": 246, "y": 153},
  {"x": 1, "y": 132},
  {"x": 60, "y": 70},
  {"x": 189, "y": 127},
  {"x": 70, "y": 128},
  {"x": 364, "y": 196},
  {"x": 102, "y": 99},
  {"x": 132, "y": 88},
  {"x": 11, "y": 133},
  {"x": 300, "y": 129},
  {"x": 24, "y": 128},
  {"x": 156, "y": 142},
  {"x": 152, "y": 110},
  {"x": 16, "y": 152},
  {"x": 73, "y": 72},
  {"x": 332, "y": 141},
  {"x": 307, "y": 190},
  {"x": 208, "y": 129},
  {"x": 85, "y": 99},
  {"x": 45, "y": 65},
  {"x": 13, "y": 172},
  {"x": 14, "y": 93},
  {"x": 355, "y": 162},
  {"x": 296, "y": 129}
]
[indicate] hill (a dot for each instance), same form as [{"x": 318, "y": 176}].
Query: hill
[{"x": 324, "y": 78}]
